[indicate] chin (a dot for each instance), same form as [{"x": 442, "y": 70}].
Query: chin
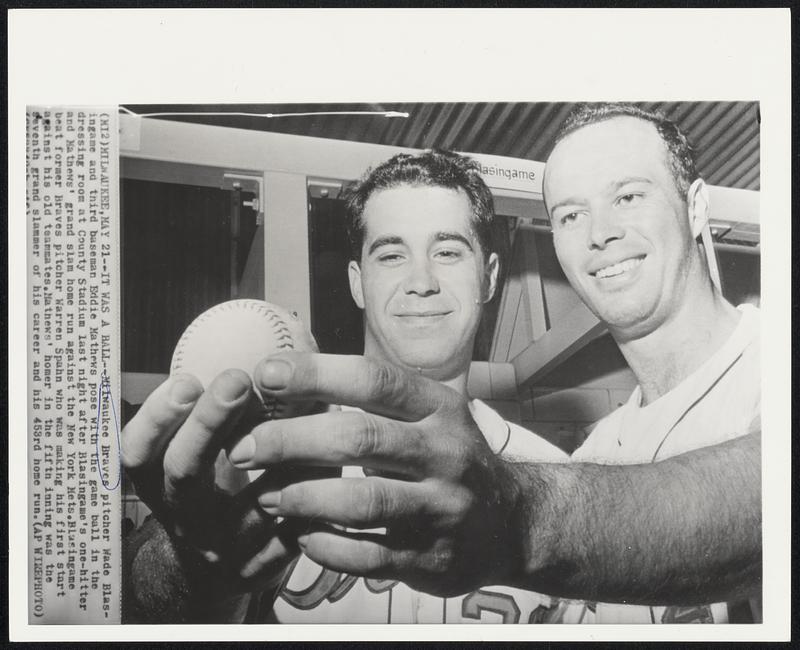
[
  {"x": 432, "y": 364},
  {"x": 633, "y": 322},
  {"x": 426, "y": 362}
]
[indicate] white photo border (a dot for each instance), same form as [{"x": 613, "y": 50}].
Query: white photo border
[{"x": 124, "y": 56}]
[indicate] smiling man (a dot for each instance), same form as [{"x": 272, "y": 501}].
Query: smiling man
[
  {"x": 424, "y": 273},
  {"x": 627, "y": 209},
  {"x": 625, "y": 226}
]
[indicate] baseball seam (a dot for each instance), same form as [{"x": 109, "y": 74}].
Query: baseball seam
[{"x": 273, "y": 407}]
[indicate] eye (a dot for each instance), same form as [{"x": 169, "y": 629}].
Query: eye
[
  {"x": 569, "y": 219},
  {"x": 390, "y": 258},
  {"x": 628, "y": 199},
  {"x": 448, "y": 255}
]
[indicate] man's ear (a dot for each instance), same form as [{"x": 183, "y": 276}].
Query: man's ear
[
  {"x": 354, "y": 273},
  {"x": 699, "y": 207},
  {"x": 492, "y": 269}
]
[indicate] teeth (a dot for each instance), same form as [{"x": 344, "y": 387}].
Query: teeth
[{"x": 619, "y": 269}]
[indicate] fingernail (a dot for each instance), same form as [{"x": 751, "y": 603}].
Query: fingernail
[
  {"x": 270, "y": 501},
  {"x": 230, "y": 386},
  {"x": 274, "y": 374},
  {"x": 184, "y": 391},
  {"x": 243, "y": 451}
]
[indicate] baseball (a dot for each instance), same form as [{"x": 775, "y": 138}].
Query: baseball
[{"x": 239, "y": 334}]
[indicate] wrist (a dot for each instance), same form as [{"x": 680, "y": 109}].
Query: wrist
[
  {"x": 534, "y": 523},
  {"x": 511, "y": 545}
]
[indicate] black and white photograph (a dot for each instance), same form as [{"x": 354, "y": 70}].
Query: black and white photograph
[
  {"x": 397, "y": 361},
  {"x": 547, "y": 324}
]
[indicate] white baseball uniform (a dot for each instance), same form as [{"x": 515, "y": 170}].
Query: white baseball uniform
[
  {"x": 313, "y": 594},
  {"x": 719, "y": 401}
]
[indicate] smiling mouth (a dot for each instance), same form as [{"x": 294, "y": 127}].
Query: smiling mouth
[
  {"x": 619, "y": 268},
  {"x": 425, "y": 314}
]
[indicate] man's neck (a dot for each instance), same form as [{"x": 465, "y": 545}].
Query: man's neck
[
  {"x": 457, "y": 382},
  {"x": 663, "y": 358}
]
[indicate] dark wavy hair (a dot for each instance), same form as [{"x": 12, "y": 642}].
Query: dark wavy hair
[
  {"x": 434, "y": 168},
  {"x": 680, "y": 153}
]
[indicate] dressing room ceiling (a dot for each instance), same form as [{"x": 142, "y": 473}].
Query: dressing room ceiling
[{"x": 726, "y": 134}]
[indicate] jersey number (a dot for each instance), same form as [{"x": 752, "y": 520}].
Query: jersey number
[{"x": 490, "y": 601}]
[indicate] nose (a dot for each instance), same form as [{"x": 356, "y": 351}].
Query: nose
[
  {"x": 603, "y": 229},
  {"x": 421, "y": 279}
]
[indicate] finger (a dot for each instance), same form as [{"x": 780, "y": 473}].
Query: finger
[
  {"x": 266, "y": 565},
  {"x": 371, "y": 555},
  {"x": 193, "y": 450},
  {"x": 424, "y": 563},
  {"x": 269, "y": 560},
  {"x": 336, "y": 439},
  {"x": 366, "y": 502},
  {"x": 352, "y": 380},
  {"x": 146, "y": 436},
  {"x": 278, "y": 477},
  {"x": 263, "y": 563}
]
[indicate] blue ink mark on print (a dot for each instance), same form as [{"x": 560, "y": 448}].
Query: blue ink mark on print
[{"x": 105, "y": 399}]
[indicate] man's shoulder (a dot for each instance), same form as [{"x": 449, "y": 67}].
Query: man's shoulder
[{"x": 717, "y": 401}]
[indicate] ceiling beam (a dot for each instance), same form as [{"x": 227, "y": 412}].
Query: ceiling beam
[{"x": 578, "y": 327}]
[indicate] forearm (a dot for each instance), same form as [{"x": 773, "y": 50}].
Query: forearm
[{"x": 682, "y": 531}]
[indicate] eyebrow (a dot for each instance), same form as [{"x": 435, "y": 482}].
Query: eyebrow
[
  {"x": 392, "y": 240},
  {"x": 453, "y": 236},
  {"x": 384, "y": 241},
  {"x": 612, "y": 187},
  {"x": 616, "y": 185}
]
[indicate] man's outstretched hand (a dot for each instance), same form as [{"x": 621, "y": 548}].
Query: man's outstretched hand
[
  {"x": 432, "y": 482},
  {"x": 223, "y": 542}
]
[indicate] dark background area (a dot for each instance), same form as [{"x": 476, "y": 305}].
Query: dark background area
[{"x": 176, "y": 243}]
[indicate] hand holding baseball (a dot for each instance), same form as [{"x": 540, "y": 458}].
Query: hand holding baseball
[{"x": 171, "y": 449}]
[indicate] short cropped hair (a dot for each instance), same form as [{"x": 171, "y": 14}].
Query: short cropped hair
[
  {"x": 433, "y": 168},
  {"x": 680, "y": 153}
]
